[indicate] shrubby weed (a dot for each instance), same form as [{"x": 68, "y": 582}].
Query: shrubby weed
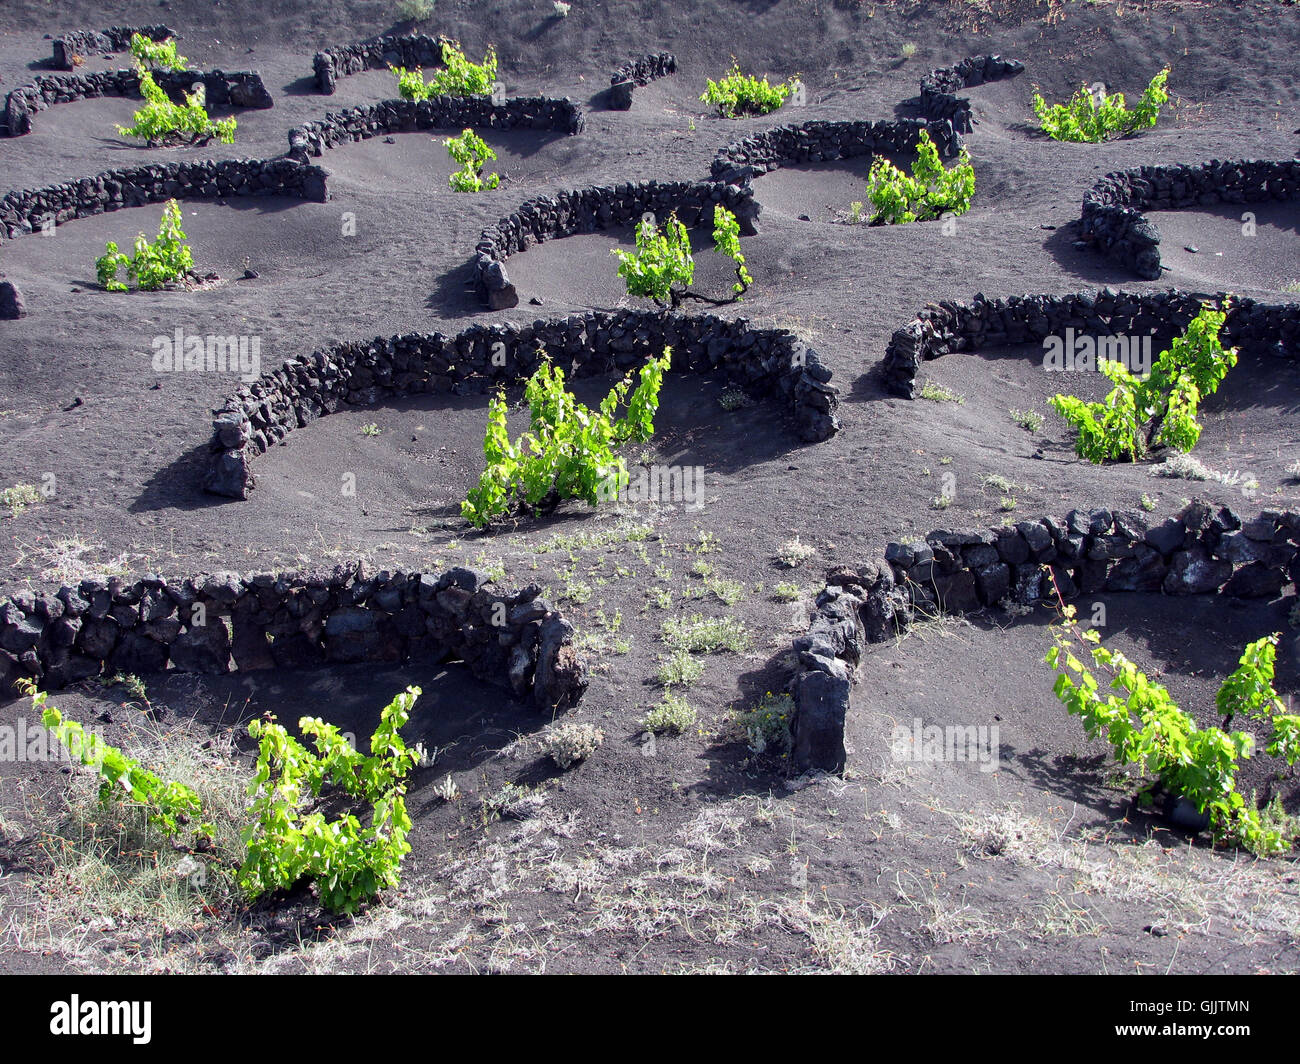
[
  {"x": 673, "y": 714},
  {"x": 570, "y": 742}
]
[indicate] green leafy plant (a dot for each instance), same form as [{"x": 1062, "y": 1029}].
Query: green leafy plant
[
  {"x": 736, "y": 93},
  {"x": 766, "y": 724},
  {"x": 458, "y": 76},
  {"x": 157, "y": 55},
  {"x": 160, "y": 120},
  {"x": 568, "y": 452},
  {"x": 1161, "y": 409},
  {"x": 674, "y": 714},
  {"x": 166, "y": 260},
  {"x": 1146, "y": 728},
  {"x": 568, "y": 743},
  {"x": 929, "y": 192},
  {"x": 1094, "y": 115},
  {"x": 663, "y": 267},
  {"x": 166, "y": 804},
  {"x": 18, "y": 498},
  {"x": 287, "y": 844},
  {"x": 726, "y": 241},
  {"x": 710, "y": 635},
  {"x": 471, "y": 153},
  {"x": 679, "y": 669}
]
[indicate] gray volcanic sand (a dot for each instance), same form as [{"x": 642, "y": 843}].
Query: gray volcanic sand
[{"x": 625, "y": 827}]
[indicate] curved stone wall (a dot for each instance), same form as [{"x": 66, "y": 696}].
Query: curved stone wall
[
  {"x": 586, "y": 210},
  {"x": 236, "y": 89},
  {"x": 114, "y": 39},
  {"x": 224, "y": 621},
  {"x": 947, "y": 326},
  {"x": 26, "y": 211},
  {"x": 1202, "y": 551},
  {"x": 639, "y": 71},
  {"x": 939, "y": 88},
  {"x": 437, "y": 112},
  {"x": 824, "y": 141},
  {"x": 377, "y": 53},
  {"x": 1112, "y": 219},
  {"x": 764, "y": 362}
]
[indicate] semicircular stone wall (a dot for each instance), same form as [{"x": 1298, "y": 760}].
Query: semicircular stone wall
[
  {"x": 764, "y": 362},
  {"x": 826, "y": 141},
  {"x": 225, "y": 622},
  {"x": 947, "y": 326},
  {"x": 238, "y": 89},
  {"x": 939, "y": 88},
  {"x": 82, "y": 43},
  {"x": 437, "y": 112},
  {"x": 640, "y": 71},
  {"x": 113, "y": 190},
  {"x": 377, "y": 53},
  {"x": 1201, "y": 551},
  {"x": 1113, "y": 222},
  {"x": 587, "y": 210}
]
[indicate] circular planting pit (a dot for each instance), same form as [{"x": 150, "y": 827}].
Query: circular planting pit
[
  {"x": 420, "y": 163},
  {"x": 761, "y": 361},
  {"x": 233, "y": 91},
  {"x": 1013, "y": 567},
  {"x": 1114, "y": 223},
  {"x": 939, "y": 88}
]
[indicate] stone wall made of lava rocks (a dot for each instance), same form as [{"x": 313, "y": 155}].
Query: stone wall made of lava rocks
[
  {"x": 1113, "y": 220},
  {"x": 223, "y": 621},
  {"x": 764, "y": 362},
  {"x": 586, "y": 210},
  {"x": 82, "y": 43},
  {"x": 1201, "y": 551},
  {"x": 825, "y": 141},
  {"x": 437, "y": 112},
  {"x": 26, "y": 211},
  {"x": 639, "y": 71},
  {"x": 237, "y": 89},
  {"x": 939, "y": 88},
  {"x": 943, "y": 327},
  {"x": 378, "y": 53}
]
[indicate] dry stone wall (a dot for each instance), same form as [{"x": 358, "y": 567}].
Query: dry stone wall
[
  {"x": 82, "y": 43},
  {"x": 1202, "y": 551},
  {"x": 223, "y": 622},
  {"x": 586, "y": 210},
  {"x": 238, "y": 89},
  {"x": 27, "y": 211},
  {"x": 765, "y": 362},
  {"x": 939, "y": 88},
  {"x": 1113, "y": 221},
  {"x": 946, "y": 326},
  {"x": 437, "y": 112}
]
